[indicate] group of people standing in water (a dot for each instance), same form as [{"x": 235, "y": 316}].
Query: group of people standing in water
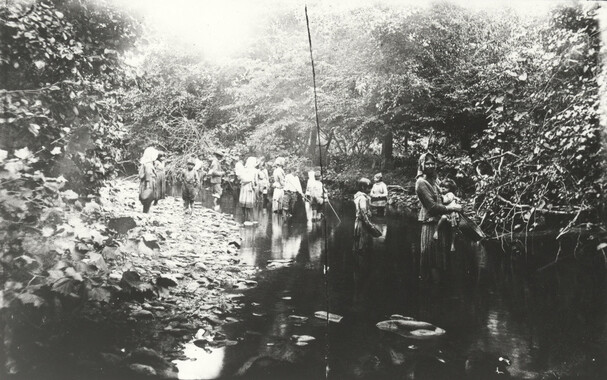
[
  {"x": 439, "y": 215},
  {"x": 256, "y": 185},
  {"x": 439, "y": 206},
  {"x": 282, "y": 189}
]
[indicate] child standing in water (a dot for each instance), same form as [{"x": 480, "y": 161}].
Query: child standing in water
[
  {"x": 191, "y": 179},
  {"x": 379, "y": 195},
  {"x": 316, "y": 195},
  {"x": 447, "y": 189}
]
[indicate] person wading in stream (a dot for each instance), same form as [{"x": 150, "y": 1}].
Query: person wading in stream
[
  {"x": 215, "y": 173},
  {"x": 433, "y": 252},
  {"x": 292, "y": 189},
  {"x": 263, "y": 182},
  {"x": 279, "y": 184},
  {"x": 316, "y": 195},
  {"x": 362, "y": 201},
  {"x": 147, "y": 178},
  {"x": 379, "y": 195},
  {"x": 247, "y": 190}
]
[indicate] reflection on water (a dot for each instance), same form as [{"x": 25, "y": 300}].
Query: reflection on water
[
  {"x": 547, "y": 322},
  {"x": 202, "y": 365}
]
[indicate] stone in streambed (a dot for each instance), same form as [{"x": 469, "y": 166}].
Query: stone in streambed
[
  {"x": 142, "y": 369},
  {"x": 142, "y": 314},
  {"x": 122, "y": 225},
  {"x": 166, "y": 280},
  {"x": 148, "y": 357},
  {"x": 110, "y": 359}
]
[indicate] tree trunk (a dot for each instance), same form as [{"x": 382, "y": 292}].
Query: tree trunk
[{"x": 387, "y": 150}]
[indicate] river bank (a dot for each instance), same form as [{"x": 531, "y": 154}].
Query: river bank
[{"x": 161, "y": 279}]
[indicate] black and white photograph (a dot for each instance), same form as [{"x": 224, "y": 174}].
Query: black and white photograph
[{"x": 308, "y": 190}]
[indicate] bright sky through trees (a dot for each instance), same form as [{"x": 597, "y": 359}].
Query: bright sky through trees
[{"x": 220, "y": 29}]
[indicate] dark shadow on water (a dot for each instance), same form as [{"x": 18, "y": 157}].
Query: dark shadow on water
[{"x": 549, "y": 324}]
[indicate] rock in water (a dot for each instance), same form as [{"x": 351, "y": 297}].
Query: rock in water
[
  {"x": 328, "y": 316},
  {"x": 411, "y": 329},
  {"x": 149, "y": 357},
  {"x": 143, "y": 314},
  {"x": 302, "y": 340},
  {"x": 298, "y": 319},
  {"x": 142, "y": 369}
]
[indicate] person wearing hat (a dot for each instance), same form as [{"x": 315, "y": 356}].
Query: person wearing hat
[
  {"x": 379, "y": 195},
  {"x": 147, "y": 178},
  {"x": 433, "y": 252},
  {"x": 215, "y": 173},
  {"x": 190, "y": 185}
]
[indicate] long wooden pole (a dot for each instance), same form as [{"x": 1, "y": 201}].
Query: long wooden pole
[
  {"x": 315, "y": 95},
  {"x": 326, "y": 264}
]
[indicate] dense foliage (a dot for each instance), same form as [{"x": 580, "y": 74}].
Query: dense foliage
[
  {"x": 62, "y": 79},
  {"x": 516, "y": 95}
]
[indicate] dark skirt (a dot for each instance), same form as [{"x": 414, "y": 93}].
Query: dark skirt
[
  {"x": 160, "y": 189},
  {"x": 189, "y": 192},
  {"x": 288, "y": 201},
  {"x": 362, "y": 239},
  {"x": 433, "y": 252},
  {"x": 152, "y": 186}
]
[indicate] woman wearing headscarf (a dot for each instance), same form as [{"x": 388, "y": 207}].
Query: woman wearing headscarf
[
  {"x": 292, "y": 190},
  {"x": 433, "y": 258},
  {"x": 147, "y": 178},
  {"x": 160, "y": 190},
  {"x": 247, "y": 188}
]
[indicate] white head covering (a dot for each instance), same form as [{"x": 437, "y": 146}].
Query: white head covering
[
  {"x": 238, "y": 168},
  {"x": 251, "y": 163},
  {"x": 150, "y": 154}
]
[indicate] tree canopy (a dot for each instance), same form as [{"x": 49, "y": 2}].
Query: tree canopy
[{"x": 517, "y": 93}]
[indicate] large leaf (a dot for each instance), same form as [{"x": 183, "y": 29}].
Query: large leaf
[
  {"x": 99, "y": 294},
  {"x": 31, "y": 299}
]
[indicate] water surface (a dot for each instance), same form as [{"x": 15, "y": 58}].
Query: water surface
[{"x": 549, "y": 323}]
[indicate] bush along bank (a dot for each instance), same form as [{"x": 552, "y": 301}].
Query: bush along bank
[{"x": 104, "y": 290}]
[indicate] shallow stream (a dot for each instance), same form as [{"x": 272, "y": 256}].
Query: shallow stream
[{"x": 550, "y": 323}]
